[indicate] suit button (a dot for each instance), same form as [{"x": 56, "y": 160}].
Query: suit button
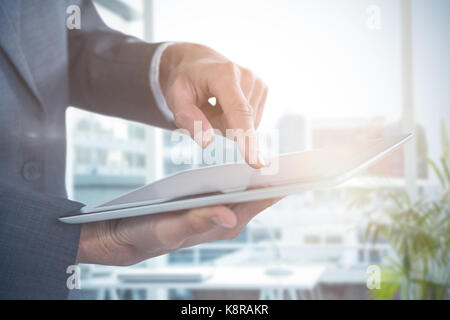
[{"x": 31, "y": 170}]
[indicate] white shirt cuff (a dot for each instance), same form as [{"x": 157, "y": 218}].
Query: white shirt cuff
[{"x": 154, "y": 82}]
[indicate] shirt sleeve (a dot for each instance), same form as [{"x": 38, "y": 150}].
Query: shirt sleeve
[{"x": 154, "y": 82}]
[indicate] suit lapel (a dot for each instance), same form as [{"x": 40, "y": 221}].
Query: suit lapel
[{"x": 10, "y": 43}]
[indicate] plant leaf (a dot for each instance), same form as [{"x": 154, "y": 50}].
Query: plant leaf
[{"x": 436, "y": 170}]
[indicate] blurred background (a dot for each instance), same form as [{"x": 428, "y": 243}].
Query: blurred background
[{"x": 338, "y": 72}]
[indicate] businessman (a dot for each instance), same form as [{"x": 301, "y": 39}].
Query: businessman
[{"x": 46, "y": 67}]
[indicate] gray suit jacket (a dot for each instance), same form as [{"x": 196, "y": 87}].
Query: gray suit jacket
[{"x": 44, "y": 68}]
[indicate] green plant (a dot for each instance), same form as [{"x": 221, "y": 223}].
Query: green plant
[{"x": 418, "y": 233}]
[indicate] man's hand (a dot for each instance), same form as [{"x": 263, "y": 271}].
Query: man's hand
[
  {"x": 190, "y": 74},
  {"x": 129, "y": 241}
]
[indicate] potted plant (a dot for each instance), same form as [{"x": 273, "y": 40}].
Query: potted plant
[{"x": 418, "y": 266}]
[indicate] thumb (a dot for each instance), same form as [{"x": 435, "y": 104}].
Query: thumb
[
  {"x": 177, "y": 228},
  {"x": 200, "y": 220},
  {"x": 187, "y": 115},
  {"x": 191, "y": 118}
]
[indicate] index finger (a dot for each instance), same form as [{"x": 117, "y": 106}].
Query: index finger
[{"x": 239, "y": 115}]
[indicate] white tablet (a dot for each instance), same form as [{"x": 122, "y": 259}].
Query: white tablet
[{"x": 234, "y": 183}]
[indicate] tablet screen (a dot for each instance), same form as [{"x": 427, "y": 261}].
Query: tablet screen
[{"x": 306, "y": 166}]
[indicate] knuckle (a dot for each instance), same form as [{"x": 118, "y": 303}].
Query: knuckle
[
  {"x": 176, "y": 86},
  {"x": 223, "y": 237},
  {"x": 196, "y": 224},
  {"x": 181, "y": 118},
  {"x": 243, "y": 110},
  {"x": 230, "y": 66},
  {"x": 181, "y": 90},
  {"x": 170, "y": 244},
  {"x": 246, "y": 74},
  {"x": 177, "y": 92},
  {"x": 227, "y": 68},
  {"x": 164, "y": 240},
  {"x": 165, "y": 243},
  {"x": 264, "y": 85},
  {"x": 178, "y": 121}
]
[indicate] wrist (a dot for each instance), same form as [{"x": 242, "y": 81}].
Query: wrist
[
  {"x": 96, "y": 243},
  {"x": 84, "y": 243}
]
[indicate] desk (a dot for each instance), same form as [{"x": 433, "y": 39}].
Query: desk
[{"x": 303, "y": 279}]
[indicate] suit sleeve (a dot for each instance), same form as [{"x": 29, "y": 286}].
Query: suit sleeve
[
  {"x": 109, "y": 71},
  {"x": 35, "y": 248}
]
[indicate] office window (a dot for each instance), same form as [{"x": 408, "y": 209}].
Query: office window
[
  {"x": 83, "y": 155},
  {"x": 334, "y": 76}
]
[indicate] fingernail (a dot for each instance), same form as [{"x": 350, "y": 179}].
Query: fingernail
[
  {"x": 220, "y": 223},
  {"x": 261, "y": 160},
  {"x": 208, "y": 136}
]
